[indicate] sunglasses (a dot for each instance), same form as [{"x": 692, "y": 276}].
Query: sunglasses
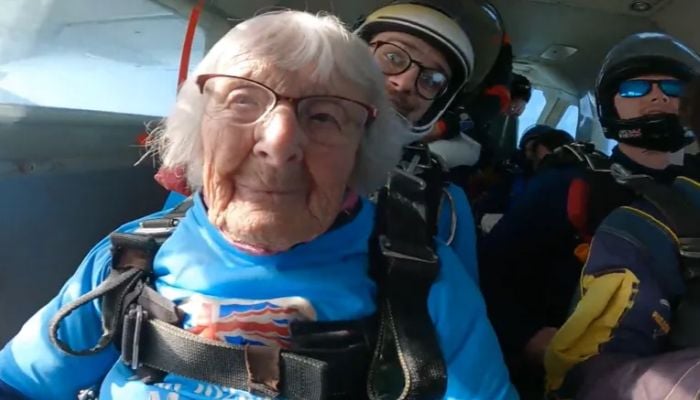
[{"x": 641, "y": 87}]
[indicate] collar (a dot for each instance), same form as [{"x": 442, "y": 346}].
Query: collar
[{"x": 666, "y": 175}]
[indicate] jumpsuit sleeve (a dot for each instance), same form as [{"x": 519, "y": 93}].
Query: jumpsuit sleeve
[{"x": 609, "y": 285}]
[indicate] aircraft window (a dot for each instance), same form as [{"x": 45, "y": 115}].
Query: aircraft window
[
  {"x": 101, "y": 55},
  {"x": 569, "y": 121},
  {"x": 532, "y": 112}
]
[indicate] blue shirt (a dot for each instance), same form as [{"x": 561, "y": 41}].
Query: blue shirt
[
  {"x": 223, "y": 291},
  {"x": 464, "y": 238}
]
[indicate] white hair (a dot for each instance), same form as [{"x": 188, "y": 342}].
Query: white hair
[{"x": 289, "y": 40}]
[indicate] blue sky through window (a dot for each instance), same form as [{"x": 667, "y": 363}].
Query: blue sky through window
[
  {"x": 532, "y": 112},
  {"x": 569, "y": 121}
]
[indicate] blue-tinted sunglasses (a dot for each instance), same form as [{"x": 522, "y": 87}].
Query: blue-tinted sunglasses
[{"x": 642, "y": 87}]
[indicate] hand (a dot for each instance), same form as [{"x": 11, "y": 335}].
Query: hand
[{"x": 536, "y": 347}]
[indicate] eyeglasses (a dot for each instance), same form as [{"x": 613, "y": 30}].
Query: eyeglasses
[
  {"x": 245, "y": 102},
  {"x": 635, "y": 88},
  {"x": 393, "y": 60}
]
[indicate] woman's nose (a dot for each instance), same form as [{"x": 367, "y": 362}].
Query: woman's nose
[{"x": 279, "y": 139}]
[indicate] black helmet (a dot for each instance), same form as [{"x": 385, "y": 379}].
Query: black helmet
[
  {"x": 640, "y": 54},
  {"x": 448, "y": 26},
  {"x": 520, "y": 88},
  {"x": 533, "y": 133}
]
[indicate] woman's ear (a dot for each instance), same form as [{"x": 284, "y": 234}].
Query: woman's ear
[{"x": 174, "y": 179}]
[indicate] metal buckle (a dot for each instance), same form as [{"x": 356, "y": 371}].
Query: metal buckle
[
  {"x": 421, "y": 157},
  {"x": 133, "y": 321},
  {"x": 690, "y": 247},
  {"x": 422, "y": 185},
  {"x": 623, "y": 176},
  {"x": 689, "y": 251},
  {"x": 87, "y": 394},
  {"x": 389, "y": 250}
]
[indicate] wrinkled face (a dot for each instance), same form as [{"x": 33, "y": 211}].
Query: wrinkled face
[
  {"x": 654, "y": 102},
  {"x": 280, "y": 180},
  {"x": 402, "y": 87}
]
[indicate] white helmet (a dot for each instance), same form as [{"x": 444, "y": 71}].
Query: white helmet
[{"x": 434, "y": 24}]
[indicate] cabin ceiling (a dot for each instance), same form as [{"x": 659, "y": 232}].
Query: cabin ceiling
[
  {"x": 620, "y": 7},
  {"x": 591, "y": 27}
]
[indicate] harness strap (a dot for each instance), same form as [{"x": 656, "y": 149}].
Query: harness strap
[
  {"x": 327, "y": 361},
  {"x": 680, "y": 214},
  {"x": 260, "y": 370},
  {"x": 682, "y": 225},
  {"x": 121, "y": 283},
  {"x": 408, "y": 362},
  {"x": 420, "y": 162},
  {"x": 130, "y": 270},
  {"x": 132, "y": 261}
]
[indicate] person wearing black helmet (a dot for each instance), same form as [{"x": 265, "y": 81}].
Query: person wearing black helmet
[
  {"x": 637, "y": 93},
  {"x": 427, "y": 54},
  {"x": 637, "y": 318},
  {"x": 540, "y": 141},
  {"x": 537, "y": 143}
]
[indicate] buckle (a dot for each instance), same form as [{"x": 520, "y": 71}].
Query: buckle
[
  {"x": 400, "y": 177},
  {"x": 689, "y": 251},
  {"x": 87, "y": 394},
  {"x": 131, "y": 335},
  {"x": 422, "y": 254},
  {"x": 416, "y": 155},
  {"x": 690, "y": 247}
]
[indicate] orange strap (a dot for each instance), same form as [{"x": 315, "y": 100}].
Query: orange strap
[
  {"x": 506, "y": 39},
  {"x": 189, "y": 41},
  {"x": 503, "y": 94}
]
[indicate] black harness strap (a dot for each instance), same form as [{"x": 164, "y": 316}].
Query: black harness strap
[
  {"x": 683, "y": 217},
  {"x": 408, "y": 362},
  {"x": 327, "y": 360},
  {"x": 132, "y": 262},
  {"x": 129, "y": 271},
  {"x": 420, "y": 162},
  {"x": 259, "y": 370}
]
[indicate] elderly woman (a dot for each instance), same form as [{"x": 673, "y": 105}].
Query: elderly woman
[{"x": 263, "y": 288}]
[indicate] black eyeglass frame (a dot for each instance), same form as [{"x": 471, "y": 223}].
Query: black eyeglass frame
[{"x": 421, "y": 69}]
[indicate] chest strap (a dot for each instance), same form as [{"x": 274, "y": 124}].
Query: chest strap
[
  {"x": 681, "y": 217},
  {"x": 407, "y": 362},
  {"x": 327, "y": 360}
]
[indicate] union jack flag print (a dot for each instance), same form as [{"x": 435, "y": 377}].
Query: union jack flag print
[{"x": 238, "y": 321}]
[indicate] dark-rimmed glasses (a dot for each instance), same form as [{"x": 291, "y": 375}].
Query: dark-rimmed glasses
[
  {"x": 393, "y": 60},
  {"x": 246, "y": 102}
]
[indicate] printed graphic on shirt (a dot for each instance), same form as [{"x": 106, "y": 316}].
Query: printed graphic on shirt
[
  {"x": 239, "y": 321},
  {"x": 188, "y": 390}
]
